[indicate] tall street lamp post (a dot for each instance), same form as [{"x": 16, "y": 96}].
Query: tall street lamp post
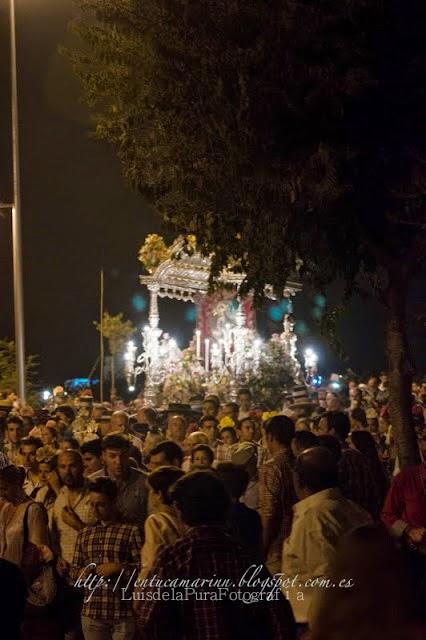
[{"x": 18, "y": 288}]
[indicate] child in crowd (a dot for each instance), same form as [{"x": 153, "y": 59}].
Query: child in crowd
[
  {"x": 191, "y": 441},
  {"x": 202, "y": 457},
  {"x": 228, "y": 438}
]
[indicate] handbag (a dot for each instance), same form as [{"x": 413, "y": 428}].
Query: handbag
[{"x": 39, "y": 575}]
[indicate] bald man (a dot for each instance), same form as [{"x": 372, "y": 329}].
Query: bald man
[{"x": 321, "y": 517}]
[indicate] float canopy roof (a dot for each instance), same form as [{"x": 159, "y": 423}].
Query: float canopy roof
[{"x": 187, "y": 278}]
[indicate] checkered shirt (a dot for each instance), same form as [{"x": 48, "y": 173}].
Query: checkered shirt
[
  {"x": 357, "y": 482},
  {"x": 209, "y": 552},
  {"x": 101, "y": 544},
  {"x": 277, "y": 495}
]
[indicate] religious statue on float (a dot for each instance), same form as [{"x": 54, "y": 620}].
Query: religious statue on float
[{"x": 226, "y": 350}]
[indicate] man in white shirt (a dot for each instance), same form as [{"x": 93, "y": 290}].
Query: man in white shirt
[
  {"x": 28, "y": 450},
  {"x": 71, "y": 512},
  {"x": 13, "y": 435},
  {"x": 321, "y": 517}
]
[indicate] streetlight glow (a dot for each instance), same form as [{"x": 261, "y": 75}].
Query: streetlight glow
[{"x": 311, "y": 358}]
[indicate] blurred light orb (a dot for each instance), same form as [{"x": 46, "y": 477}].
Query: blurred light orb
[
  {"x": 320, "y": 300},
  {"x": 276, "y": 313},
  {"x": 191, "y": 314},
  {"x": 138, "y": 302},
  {"x": 301, "y": 328}
]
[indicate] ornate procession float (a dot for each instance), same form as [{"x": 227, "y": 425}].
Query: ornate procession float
[{"x": 226, "y": 352}]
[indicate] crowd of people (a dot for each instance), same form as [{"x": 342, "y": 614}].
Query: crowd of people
[{"x": 123, "y": 521}]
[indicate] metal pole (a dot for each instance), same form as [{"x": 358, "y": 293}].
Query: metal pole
[
  {"x": 18, "y": 289},
  {"x": 102, "y": 356}
]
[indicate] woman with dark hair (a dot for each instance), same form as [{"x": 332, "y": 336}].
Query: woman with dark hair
[
  {"x": 24, "y": 541},
  {"x": 163, "y": 526},
  {"x": 206, "y": 550},
  {"x": 364, "y": 442},
  {"x": 244, "y": 523}
]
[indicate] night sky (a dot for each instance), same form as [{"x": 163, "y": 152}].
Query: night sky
[{"x": 79, "y": 215}]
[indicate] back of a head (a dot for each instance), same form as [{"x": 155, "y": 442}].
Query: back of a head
[
  {"x": 234, "y": 477},
  {"x": 316, "y": 469},
  {"x": 281, "y": 429},
  {"x": 368, "y": 557},
  {"x": 172, "y": 452},
  {"x": 13, "y": 475},
  {"x": 360, "y": 416},
  {"x": 201, "y": 498},
  {"x": 364, "y": 442},
  {"x": 305, "y": 440},
  {"x": 196, "y": 437},
  {"x": 331, "y": 443},
  {"x": 162, "y": 479},
  {"x": 340, "y": 422}
]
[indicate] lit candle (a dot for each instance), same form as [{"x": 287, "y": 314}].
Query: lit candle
[
  {"x": 206, "y": 354},
  {"x": 216, "y": 353},
  {"x": 198, "y": 343}
]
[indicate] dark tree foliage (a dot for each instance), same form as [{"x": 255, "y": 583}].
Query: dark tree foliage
[{"x": 276, "y": 131}]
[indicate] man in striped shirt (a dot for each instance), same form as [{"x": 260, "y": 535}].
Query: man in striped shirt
[{"x": 276, "y": 491}]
